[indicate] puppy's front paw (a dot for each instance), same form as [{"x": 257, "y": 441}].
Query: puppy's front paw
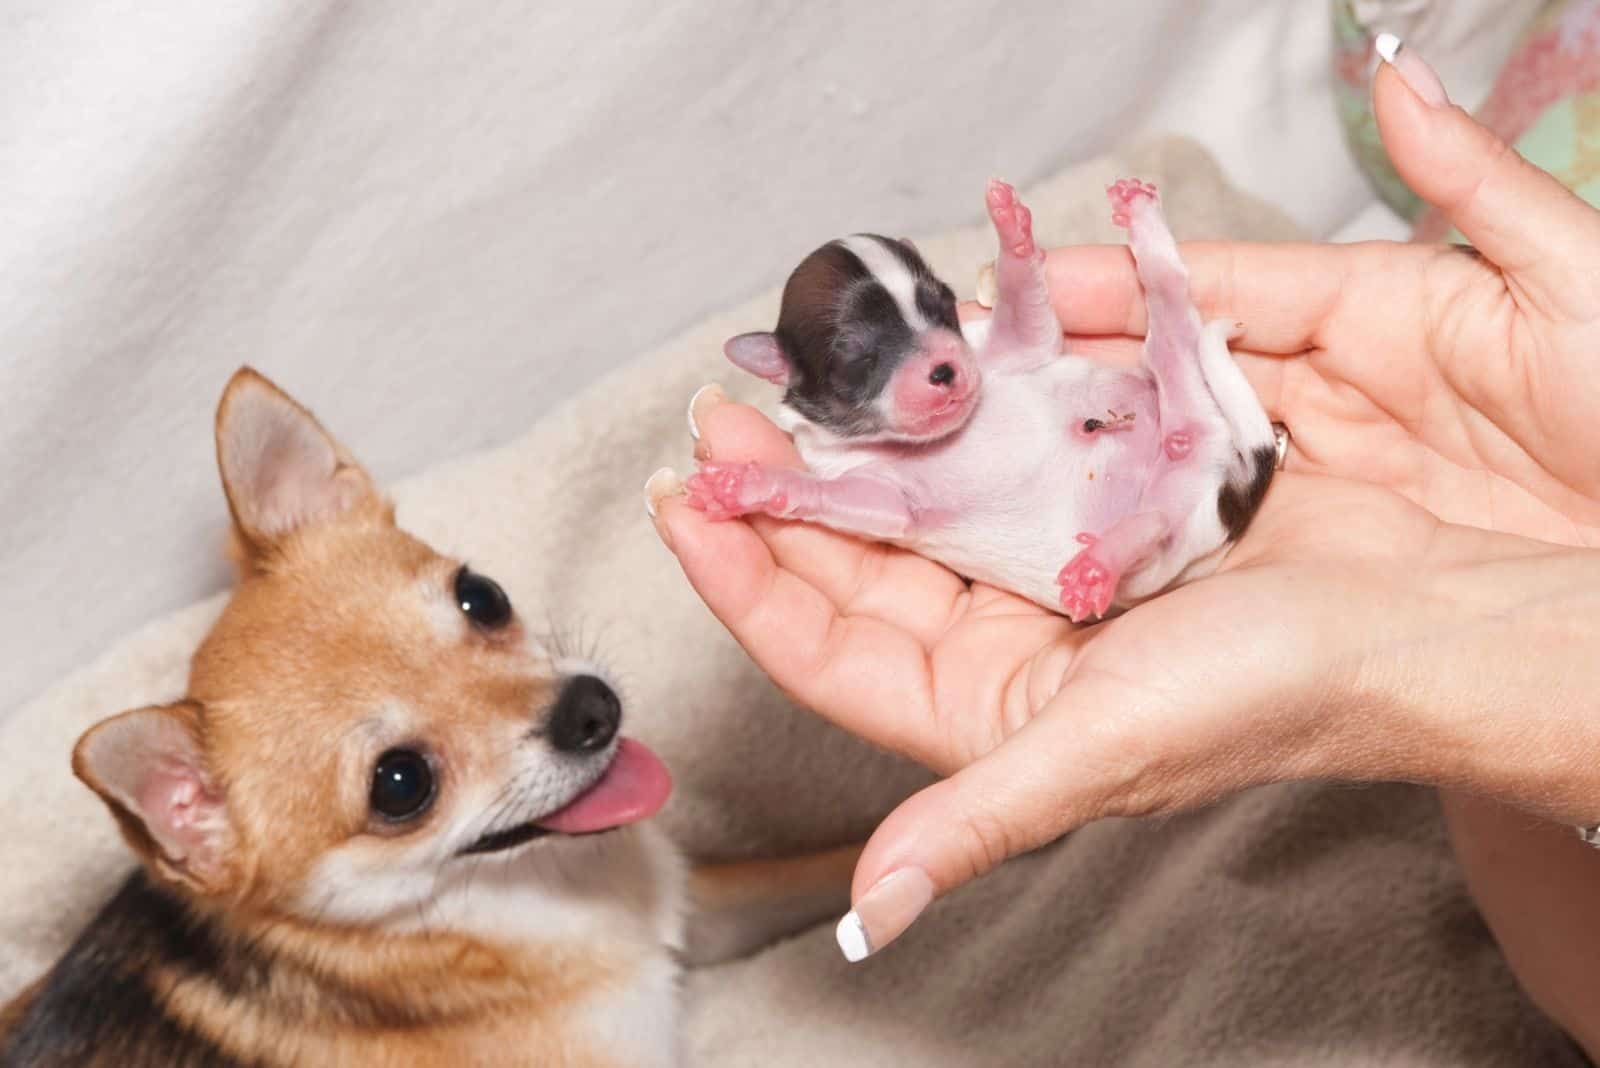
[
  {"x": 1087, "y": 583},
  {"x": 727, "y": 491}
]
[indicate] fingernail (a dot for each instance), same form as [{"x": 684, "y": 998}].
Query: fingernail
[
  {"x": 659, "y": 486},
  {"x": 705, "y": 398},
  {"x": 986, "y": 285},
  {"x": 883, "y": 913},
  {"x": 1412, "y": 68}
]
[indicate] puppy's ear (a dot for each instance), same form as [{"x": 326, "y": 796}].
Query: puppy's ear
[
  {"x": 760, "y": 354},
  {"x": 149, "y": 767},
  {"x": 280, "y": 470}
]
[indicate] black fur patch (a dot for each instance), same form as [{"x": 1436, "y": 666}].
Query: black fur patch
[
  {"x": 1238, "y": 502},
  {"x": 844, "y": 335},
  {"x": 96, "y": 1006}
]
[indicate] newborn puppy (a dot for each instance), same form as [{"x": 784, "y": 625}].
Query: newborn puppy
[{"x": 1067, "y": 481}]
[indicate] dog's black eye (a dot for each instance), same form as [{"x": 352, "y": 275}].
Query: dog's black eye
[
  {"x": 402, "y": 784},
  {"x": 481, "y": 599}
]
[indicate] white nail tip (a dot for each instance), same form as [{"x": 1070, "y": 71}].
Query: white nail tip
[
  {"x": 694, "y": 428},
  {"x": 1388, "y": 46},
  {"x": 658, "y": 485},
  {"x": 851, "y": 935}
]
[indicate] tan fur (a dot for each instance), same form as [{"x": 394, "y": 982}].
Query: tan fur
[
  {"x": 738, "y": 906},
  {"x": 11, "y": 1012},
  {"x": 340, "y": 621},
  {"x": 363, "y": 941},
  {"x": 308, "y": 632},
  {"x": 339, "y": 998}
]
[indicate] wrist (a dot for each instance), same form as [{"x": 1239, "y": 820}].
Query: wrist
[{"x": 1499, "y": 677}]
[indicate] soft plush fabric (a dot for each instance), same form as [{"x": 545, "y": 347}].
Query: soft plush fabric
[
  {"x": 447, "y": 216},
  {"x": 1300, "y": 925},
  {"x": 1546, "y": 103},
  {"x": 1434, "y": 28}
]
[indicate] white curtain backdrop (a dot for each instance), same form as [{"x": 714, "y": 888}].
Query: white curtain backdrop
[{"x": 433, "y": 219}]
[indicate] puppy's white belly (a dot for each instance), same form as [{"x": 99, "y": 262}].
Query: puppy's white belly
[
  {"x": 1018, "y": 552},
  {"x": 1023, "y": 486},
  {"x": 1003, "y": 501}
]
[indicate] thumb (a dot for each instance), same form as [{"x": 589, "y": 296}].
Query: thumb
[
  {"x": 1543, "y": 236},
  {"x": 1021, "y": 795}
]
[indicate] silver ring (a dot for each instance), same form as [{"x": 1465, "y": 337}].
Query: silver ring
[{"x": 1281, "y": 441}]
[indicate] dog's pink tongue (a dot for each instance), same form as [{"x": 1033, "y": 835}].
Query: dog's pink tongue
[{"x": 634, "y": 787}]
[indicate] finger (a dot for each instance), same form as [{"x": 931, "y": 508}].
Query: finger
[
  {"x": 1525, "y": 221},
  {"x": 1026, "y": 792},
  {"x": 1283, "y": 294},
  {"x": 1269, "y": 374},
  {"x": 726, "y": 431},
  {"x": 1272, "y": 377},
  {"x": 1109, "y": 348},
  {"x": 858, "y": 577},
  {"x": 869, "y": 676}
]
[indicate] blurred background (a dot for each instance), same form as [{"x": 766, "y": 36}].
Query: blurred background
[{"x": 435, "y": 220}]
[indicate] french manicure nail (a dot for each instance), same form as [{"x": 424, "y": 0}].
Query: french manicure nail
[
  {"x": 659, "y": 486},
  {"x": 883, "y": 913},
  {"x": 987, "y": 287},
  {"x": 705, "y": 398},
  {"x": 1412, "y": 68}
]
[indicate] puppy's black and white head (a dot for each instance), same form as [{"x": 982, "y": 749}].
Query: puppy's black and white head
[{"x": 868, "y": 344}]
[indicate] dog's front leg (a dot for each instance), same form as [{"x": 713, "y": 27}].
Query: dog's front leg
[{"x": 742, "y": 906}]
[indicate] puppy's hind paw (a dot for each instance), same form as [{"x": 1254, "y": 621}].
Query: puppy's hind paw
[
  {"x": 1013, "y": 222},
  {"x": 1087, "y": 584},
  {"x": 1125, "y": 194}
]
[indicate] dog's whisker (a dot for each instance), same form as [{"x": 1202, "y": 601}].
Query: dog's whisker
[{"x": 512, "y": 795}]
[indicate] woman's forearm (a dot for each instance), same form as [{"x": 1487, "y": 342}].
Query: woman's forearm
[
  {"x": 1538, "y": 888},
  {"x": 1508, "y": 687},
  {"x": 1498, "y": 682}
]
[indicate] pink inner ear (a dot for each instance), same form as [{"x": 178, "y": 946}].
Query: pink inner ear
[
  {"x": 178, "y": 811},
  {"x": 281, "y": 469},
  {"x": 289, "y": 479},
  {"x": 760, "y": 354}
]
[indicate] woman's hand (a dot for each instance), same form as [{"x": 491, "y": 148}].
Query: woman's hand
[
  {"x": 1468, "y": 382},
  {"x": 1351, "y": 634},
  {"x": 1314, "y": 653}
]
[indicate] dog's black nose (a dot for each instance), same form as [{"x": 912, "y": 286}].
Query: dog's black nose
[
  {"x": 942, "y": 375},
  {"x": 585, "y": 716}
]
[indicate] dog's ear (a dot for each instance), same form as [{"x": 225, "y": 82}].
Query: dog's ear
[
  {"x": 761, "y": 354},
  {"x": 149, "y": 766},
  {"x": 280, "y": 470}
]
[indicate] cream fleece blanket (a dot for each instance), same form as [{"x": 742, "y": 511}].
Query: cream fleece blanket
[{"x": 1299, "y": 925}]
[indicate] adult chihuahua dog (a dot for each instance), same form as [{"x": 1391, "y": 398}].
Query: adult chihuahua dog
[{"x": 386, "y": 825}]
